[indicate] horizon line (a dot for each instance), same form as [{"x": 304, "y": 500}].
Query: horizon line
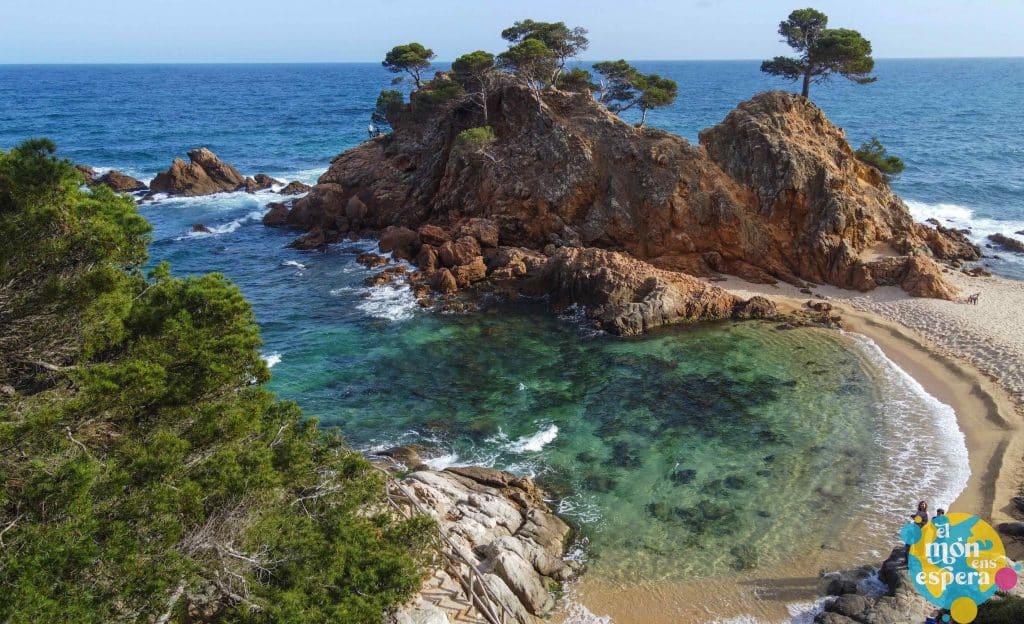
[{"x": 665, "y": 60}]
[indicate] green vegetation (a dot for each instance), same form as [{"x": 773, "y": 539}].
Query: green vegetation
[
  {"x": 822, "y": 51},
  {"x": 145, "y": 473},
  {"x": 537, "y": 56},
  {"x": 478, "y": 137},
  {"x": 411, "y": 58},
  {"x": 875, "y": 154},
  {"x": 562, "y": 43},
  {"x": 476, "y": 74},
  {"x": 577, "y": 80},
  {"x": 1002, "y": 609},
  {"x": 624, "y": 87},
  {"x": 389, "y": 105}
]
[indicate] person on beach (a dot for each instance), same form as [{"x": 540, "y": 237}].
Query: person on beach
[
  {"x": 939, "y": 512},
  {"x": 371, "y": 130},
  {"x": 920, "y": 517}
]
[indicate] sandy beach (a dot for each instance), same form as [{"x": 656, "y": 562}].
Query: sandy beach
[{"x": 969, "y": 357}]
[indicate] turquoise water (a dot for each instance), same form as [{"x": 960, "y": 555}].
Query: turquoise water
[{"x": 690, "y": 452}]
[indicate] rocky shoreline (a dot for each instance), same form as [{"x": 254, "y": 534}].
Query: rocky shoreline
[{"x": 502, "y": 547}]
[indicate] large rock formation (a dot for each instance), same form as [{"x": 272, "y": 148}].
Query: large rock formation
[
  {"x": 773, "y": 192},
  {"x": 496, "y": 522},
  {"x": 205, "y": 174},
  {"x": 117, "y": 181}
]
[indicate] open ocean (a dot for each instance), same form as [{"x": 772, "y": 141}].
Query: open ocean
[{"x": 658, "y": 448}]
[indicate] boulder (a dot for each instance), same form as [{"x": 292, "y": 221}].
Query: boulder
[
  {"x": 756, "y": 308},
  {"x": 120, "y": 183},
  {"x": 470, "y": 273},
  {"x": 433, "y": 235},
  {"x": 1013, "y": 529},
  {"x": 484, "y": 231},
  {"x": 259, "y": 182},
  {"x": 295, "y": 188},
  {"x": 923, "y": 278},
  {"x": 458, "y": 252},
  {"x": 199, "y": 227},
  {"x": 444, "y": 282},
  {"x": 205, "y": 174},
  {"x": 277, "y": 215},
  {"x": 88, "y": 173},
  {"x": 401, "y": 242}
]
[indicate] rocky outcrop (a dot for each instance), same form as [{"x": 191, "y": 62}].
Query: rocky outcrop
[
  {"x": 900, "y": 604},
  {"x": 205, "y": 174},
  {"x": 627, "y": 296},
  {"x": 121, "y": 183},
  {"x": 1007, "y": 242},
  {"x": 295, "y": 188},
  {"x": 258, "y": 182},
  {"x": 497, "y": 522},
  {"x": 774, "y": 192},
  {"x": 117, "y": 181}
]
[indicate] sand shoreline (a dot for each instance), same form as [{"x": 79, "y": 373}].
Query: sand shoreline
[
  {"x": 989, "y": 410},
  {"x": 988, "y": 407}
]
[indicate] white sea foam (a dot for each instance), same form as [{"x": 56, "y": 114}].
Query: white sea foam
[
  {"x": 272, "y": 359},
  {"x": 962, "y": 217},
  {"x": 925, "y": 450},
  {"x": 534, "y": 443},
  {"x": 293, "y": 263},
  {"x": 444, "y": 461},
  {"x": 225, "y": 228},
  {"x": 392, "y": 302},
  {"x": 576, "y": 613}
]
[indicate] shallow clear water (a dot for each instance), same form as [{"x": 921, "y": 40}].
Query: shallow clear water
[{"x": 689, "y": 452}]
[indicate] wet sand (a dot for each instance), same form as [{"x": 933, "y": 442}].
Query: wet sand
[{"x": 940, "y": 345}]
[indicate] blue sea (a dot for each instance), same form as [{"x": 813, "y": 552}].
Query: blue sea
[{"x": 660, "y": 449}]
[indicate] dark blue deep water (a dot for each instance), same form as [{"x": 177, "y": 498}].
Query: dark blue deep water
[{"x": 659, "y": 447}]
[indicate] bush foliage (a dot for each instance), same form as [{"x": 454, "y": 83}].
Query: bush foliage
[{"x": 145, "y": 473}]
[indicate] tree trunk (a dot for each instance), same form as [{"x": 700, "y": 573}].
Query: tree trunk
[
  {"x": 643, "y": 118},
  {"x": 807, "y": 84}
]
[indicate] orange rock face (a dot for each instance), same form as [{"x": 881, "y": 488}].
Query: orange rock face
[{"x": 774, "y": 192}]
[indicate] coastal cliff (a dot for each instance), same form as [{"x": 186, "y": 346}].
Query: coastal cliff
[{"x": 774, "y": 192}]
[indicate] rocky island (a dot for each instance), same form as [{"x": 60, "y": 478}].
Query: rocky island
[{"x": 570, "y": 201}]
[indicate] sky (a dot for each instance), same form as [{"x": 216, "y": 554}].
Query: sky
[{"x": 228, "y": 31}]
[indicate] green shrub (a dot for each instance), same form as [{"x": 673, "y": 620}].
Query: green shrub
[
  {"x": 143, "y": 467},
  {"x": 874, "y": 154},
  {"x": 1002, "y": 609},
  {"x": 477, "y": 138}
]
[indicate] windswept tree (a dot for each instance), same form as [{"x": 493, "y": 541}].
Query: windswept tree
[
  {"x": 617, "y": 88},
  {"x": 476, "y": 73},
  {"x": 532, "y": 62},
  {"x": 822, "y": 51},
  {"x": 563, "y": 42},
  {"x": 624, "y": 87},
  {"x": 411, "y": 58},
  {"x": 655, "y": 92}
]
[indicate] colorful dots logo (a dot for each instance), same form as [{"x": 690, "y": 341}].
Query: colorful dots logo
[{"x": 957, "y": 562}]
